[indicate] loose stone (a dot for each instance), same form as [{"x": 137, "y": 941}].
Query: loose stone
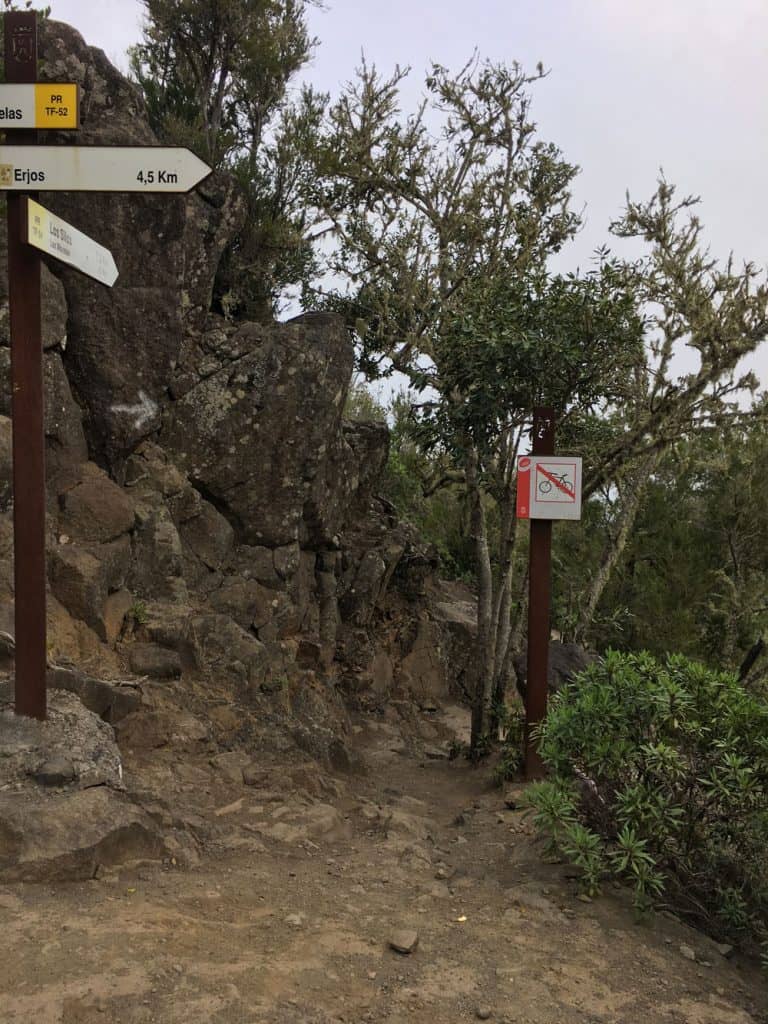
[{"x": 404, "y": 941}]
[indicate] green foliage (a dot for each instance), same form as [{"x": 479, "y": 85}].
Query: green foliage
[
  {"x": 511, "y": 721},
  {"x": 414, "y": 482},
  {"x": 422, "y": 205},
  {"x": 274, "y": 685},
  {"x": 215, "y": 75},
  {"x": 694, "y": 575},
  {"x": 138, "y": 612},
  {"x": 519, "y": 342},
  {"x": 26, "y": 5},
  {"x": 439, "y": 515},
  {"x": 362, "y": 404},
  {"x": 217, "y": 70},
  {"x": 660, "y": 778}
]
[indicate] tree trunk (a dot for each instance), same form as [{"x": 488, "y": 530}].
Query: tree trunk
[
  {"x": 615, "y": 545},
  {"x": 485, "y": 640},
  {"x": 752, "y": 655},
  {"x": 505, "y": 635},
  {"x": 502, "y": 619}
]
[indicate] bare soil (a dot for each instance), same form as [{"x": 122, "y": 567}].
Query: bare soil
[{"x": 303, "y": 879}]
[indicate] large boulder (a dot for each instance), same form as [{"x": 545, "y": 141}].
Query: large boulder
[
  {"x": 342, "y": 490},
  {"x": 71, "y": 733},
  {"x": 257, "y": 435},
  {"x": 63, "y": 812},
  {"x": 69, "y": 836},
  {"x": 565, "y": 662},
  {"x": 92, "y": 509}
]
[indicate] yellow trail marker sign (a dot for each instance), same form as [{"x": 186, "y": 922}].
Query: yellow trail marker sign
[
  {"x": 52, "y": 235},
  {"x": 39, "y": 105}
]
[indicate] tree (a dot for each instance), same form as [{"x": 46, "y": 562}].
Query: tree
[
  {"x": 694, "y": 575},
  {"x": 443, "y": 223},
  {"x": 419, "y": 207},
  {"x": 216, "y": 71},
  {"x": 716, "y": 311},
  {"x": 567, "y": 342},
  {"x": 215, "y": 74},
  {"x": 426, "y": 227}
]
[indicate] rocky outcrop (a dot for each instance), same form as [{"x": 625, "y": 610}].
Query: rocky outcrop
[
  {"x": 63, "y": 812},
  {"x": 260, "y": 435},
  {"x": 125, "y": 344},
  {"x": 213, "y": 524},
  {"x": 70, "y": 836}
]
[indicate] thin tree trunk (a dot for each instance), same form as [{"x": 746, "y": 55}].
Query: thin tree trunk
[
  {"x": 505, "y": 635},
  {"x": 519, "y": 619},
  {"x": 479, "y": 533},
  {"x": 502, "y": 622},
  {"x": 616, "y": 544}
]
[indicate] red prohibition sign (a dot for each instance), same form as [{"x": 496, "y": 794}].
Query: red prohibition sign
[{"x": 557, "y": 482}]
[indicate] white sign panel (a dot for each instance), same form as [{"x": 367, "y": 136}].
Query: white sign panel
[
  {"x": 52, "y": 235},
  {"x": 40, "y": 105},
  {"x": 100, "y": 169},
  {"x": 549, "y": 487}
]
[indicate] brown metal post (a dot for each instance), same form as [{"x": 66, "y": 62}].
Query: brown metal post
[
  {"x": 539, "y": 583},
  {"x": 20, "y": 30}
]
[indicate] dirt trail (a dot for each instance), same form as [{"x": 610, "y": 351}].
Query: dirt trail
[{"x": 287, "y": 917}]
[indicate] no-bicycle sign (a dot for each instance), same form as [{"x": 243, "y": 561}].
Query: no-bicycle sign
[{"x": 549, "y": 487}]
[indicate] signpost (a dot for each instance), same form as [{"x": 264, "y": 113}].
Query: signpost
[
  {"x": 39, "y": 105},
  {"x": 26, "y": 105},
  {"x": 26, "y": 410},
  {"x": 100, "y": 169},
  {"x": 52, "y": 235},
  {"x": 548, "y": 487}
]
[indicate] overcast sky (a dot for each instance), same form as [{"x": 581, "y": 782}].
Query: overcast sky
[{"x": 635, "y": 85}]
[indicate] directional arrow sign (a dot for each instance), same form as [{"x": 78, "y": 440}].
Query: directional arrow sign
[
  {"x": 40, "y": 105},
  {"x": 99, "y": 169},
  {"x": 54, "y": 236}
]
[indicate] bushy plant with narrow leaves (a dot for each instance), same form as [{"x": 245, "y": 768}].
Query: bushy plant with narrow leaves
[
  {"x": 659, "y": 777},
  {"x": 511, "y": 722}
]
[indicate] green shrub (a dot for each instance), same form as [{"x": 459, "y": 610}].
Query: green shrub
[
  {"x": 660, "y": 778},
  {"x": 138, "y": 612},
  {"x": 511, "y": 750}
]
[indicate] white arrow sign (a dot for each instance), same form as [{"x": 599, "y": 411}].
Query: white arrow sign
[
  {"x": 54, "y": 236},
  {"x": 100, "y": 169},
  {"x": 142, "y": 413}
]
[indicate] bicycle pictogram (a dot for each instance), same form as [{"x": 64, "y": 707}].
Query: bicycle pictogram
[{"x": 545, "y": 485}]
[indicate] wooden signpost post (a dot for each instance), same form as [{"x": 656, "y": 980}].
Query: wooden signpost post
[
  {"x": 25, "y": 106},
  {"x": 26, "y": 408},
  {"x": 548, "y": 487}
]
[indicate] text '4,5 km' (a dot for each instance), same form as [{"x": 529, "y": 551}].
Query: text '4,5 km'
[
  {"x": 161, "y": 177},
  {"x": 100, "y": 169}
]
